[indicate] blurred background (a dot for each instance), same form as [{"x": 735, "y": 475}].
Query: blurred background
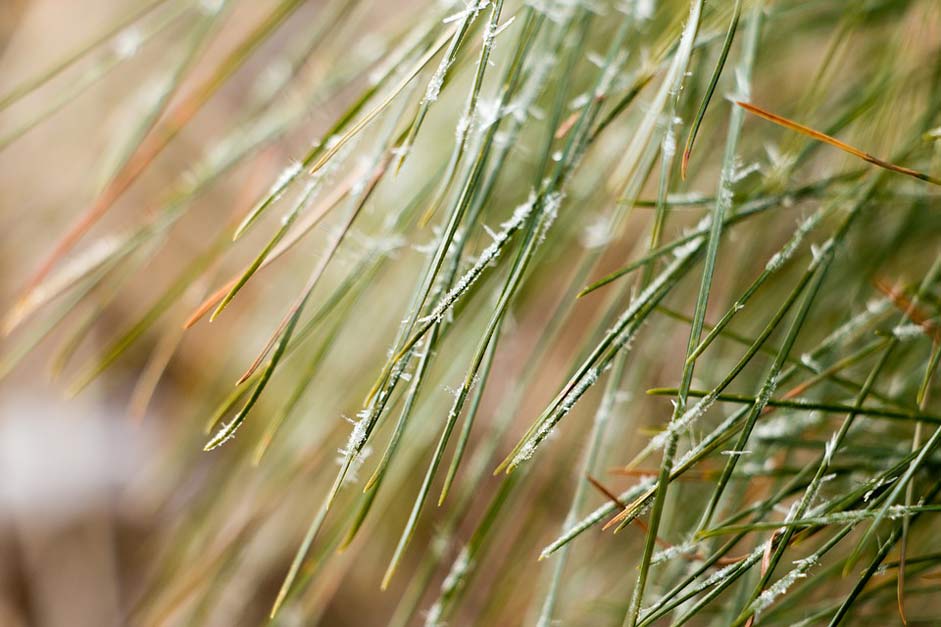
[{"x": 126, "y": 165}]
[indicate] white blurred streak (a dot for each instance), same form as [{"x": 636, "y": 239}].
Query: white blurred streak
[
  {"x": 60, "y": 460},
  {"x": 67, "y": 469}
]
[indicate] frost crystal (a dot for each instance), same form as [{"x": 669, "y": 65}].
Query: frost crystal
[
  {"x": 686, "y": 548},
  {"x": 726, "y": 196},
  {"x": 127, "y": 43},
  {"x": 808, "y": 360},
  {"x": 555, "y": 11},
  {"x": 284, "y": 179},
  {"x": 829, "y": 449},
  {"x": 767, "y": 390},
  {"x": 687, "y": 249},
  {"x": 669, "y": 144},
  {"x": 433, "y": 615},
  {"x": 819, "y": 252},
  {"x": 384, "y": 244},
  {"x": 357, "y": 434},
  {"x": 643, "y": 10},
  {"x": 272, "y": 78},
  {"x": 766, "y": 598},
  {"x": 488, "y": 112},
  {"x": 784, "y": 426},
  {"x": 607, "y": 77},
  {"x": 433, "y": 90},
  {"x": 878, "y": 485},
  {"x": 211, "y": 7},
  {"x": 740, "y": 173},
  {"x": 470, "y": 11},
  {"x": 595, "y": 59},
  {"x": 487, "y": 256},
  {"x": 590, "y": 378},
  {"x": 352, "y": 473},
  {"x": 596, "y": 235},
  {"x": 550, "y": 211},
  {"x": 704, "y": 224},
  {"x": 781, "y": 257},
  {"x": 454, "y": 577},
  {"x": 876, "y": 305},
  {"x": 898, "y": 511},
  {"x": 545, "y": 429},
  {"x": 580, "y": 101},
  {"x": 682, "y": 423},
  {"x": 907, "y": 331},
  {"x": 458, "y": 570},
  {"x": 490, "y": 35},
  {"x": 427, "y": 248},
  {"x": 742, "y": 86},
  {"x": 723, "y": 572},
  {"x": 873, "y": 308},
  {"x": 696, "y": 450},
  {"x": 463, "y": 124}
]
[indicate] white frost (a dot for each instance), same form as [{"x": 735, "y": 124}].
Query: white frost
[
  {"x": 545, "y": 429},
  {"x": 908, "y": 331},
  {"x": 487, "y": 256},
  {"x": 211, "y": 7},
  {"x": 128, "y": 42},
  {"x": 357, "y": 434},
  {"x": 766, "y": 598}
]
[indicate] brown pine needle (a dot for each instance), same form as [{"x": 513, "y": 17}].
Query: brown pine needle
[
  {"x": 908, "y": 308},
  {"x": 570, "y": 121},
  {"x": 614, "y": 499},
  {"x": 722, "y": 561},
  {"x": 608, "y": 493},
  {"x": 765, "y": 564},
  {"x": 303, "y": 227},
  {"x": 158, "y": 138},
  {"x": 833, "y": 141},
  {"x": 376, "y": 175}
]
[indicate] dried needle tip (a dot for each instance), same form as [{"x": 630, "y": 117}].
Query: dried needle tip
[{"x": 833, "y": 141}]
